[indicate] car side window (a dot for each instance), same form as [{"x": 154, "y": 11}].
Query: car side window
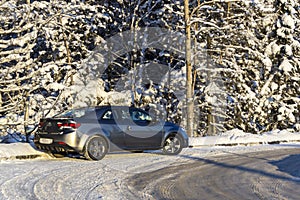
[
  {"x": 108, "y": 115},
  {"x": 140, "y": 116}
]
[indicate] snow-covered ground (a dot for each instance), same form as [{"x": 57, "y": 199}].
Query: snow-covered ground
[
  {"x": 75, "y": 178},
  {"x": 71, "y": 178}
]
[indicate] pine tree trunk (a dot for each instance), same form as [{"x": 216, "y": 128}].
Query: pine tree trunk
[
  {"x": 211, "y": 119},
  {"x": 189, "y": 78},
  {"x": 26, "y": 115}
]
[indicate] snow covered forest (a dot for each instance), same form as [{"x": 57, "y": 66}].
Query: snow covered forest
[{"x": 250, "y": 79}]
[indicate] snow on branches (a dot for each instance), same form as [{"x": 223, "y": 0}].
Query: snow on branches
[{"x": 253, "y": 46}]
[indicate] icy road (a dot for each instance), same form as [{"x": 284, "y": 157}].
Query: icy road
[{"x": 261, "y": 172}]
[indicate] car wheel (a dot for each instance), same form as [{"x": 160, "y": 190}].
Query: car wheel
[
  {"x": 172, "y": 145},
  {"x": 96, "y": 148}
]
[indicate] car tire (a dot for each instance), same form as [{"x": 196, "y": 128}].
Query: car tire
[
  {"x": 172, "y": 145},
  {"x": 96, "y": 148},
  {"x": 137, "y": 151},
  {"x": 56, "y": 155}
]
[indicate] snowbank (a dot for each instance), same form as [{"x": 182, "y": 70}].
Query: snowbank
[
  {"x": 238, "y": 137},
  {"x": 19, "y": 151}
]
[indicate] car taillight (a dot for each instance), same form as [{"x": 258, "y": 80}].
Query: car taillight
[
  {"x": 62, "y": 143},
  {"x": 66, "y": 125},
  {"x": 59, "y": 125},
  {"x": 74, "y": 125}
]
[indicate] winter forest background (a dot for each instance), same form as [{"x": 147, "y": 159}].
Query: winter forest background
[{"x": 254, "y": 45}]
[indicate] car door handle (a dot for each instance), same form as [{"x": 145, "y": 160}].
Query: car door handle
[{"x": 129, "y": 128}]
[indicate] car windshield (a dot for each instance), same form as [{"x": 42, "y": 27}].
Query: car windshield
[{"x": 74, "y": 113}]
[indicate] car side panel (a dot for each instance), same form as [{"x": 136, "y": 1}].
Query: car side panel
[
  {"x": 143, "y": 135},
  {"x": 107, "y": 129}
]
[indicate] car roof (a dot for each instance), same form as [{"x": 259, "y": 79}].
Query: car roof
[{"x": 104, "y": 107}]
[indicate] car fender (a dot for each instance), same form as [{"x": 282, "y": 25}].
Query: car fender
[
  {"x": 92, "y": 132},
  {"x": 167, "y": 134}
]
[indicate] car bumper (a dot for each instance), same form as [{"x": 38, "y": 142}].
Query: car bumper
[
  {"x": 185, "y": 142},
  {"x": 185, "y": 138},
  {"x": 57, "y": 142}
]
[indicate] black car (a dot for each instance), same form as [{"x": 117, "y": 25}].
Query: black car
[{"x": 94, "y": 131}]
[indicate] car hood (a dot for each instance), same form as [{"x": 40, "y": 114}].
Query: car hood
[{"x": 170, "y": 124}]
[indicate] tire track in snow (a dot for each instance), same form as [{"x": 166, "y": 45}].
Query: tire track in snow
[
  {"x": 60, "y": 179},
  {"x": 37, "y": 183},
  {"x": 75, "y": 180},
  {"x": 231, "y": 176},
  {"x": 67, "y": 178}
]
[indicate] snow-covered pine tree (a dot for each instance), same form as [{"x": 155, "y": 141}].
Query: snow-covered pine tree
[
  {"x": 17, "y": 38},
  {"x": 209, "y": 22},
  {"x": 262, "y": 52},
  {"x": 281, "y": 99},
  {"x": 130, "y": 15},
  {"x": 41, "y": 45},
  {"x": 254, "y": 45}
]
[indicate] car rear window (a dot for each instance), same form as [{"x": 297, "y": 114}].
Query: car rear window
[{"x": 74, "y": 113}]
